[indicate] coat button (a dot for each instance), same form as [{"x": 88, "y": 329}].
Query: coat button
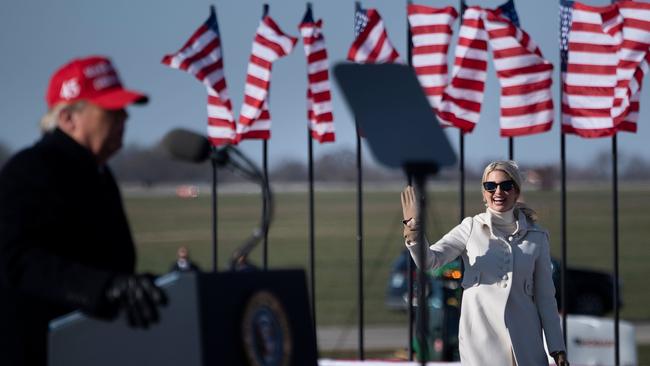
[
  {"x": 504, "y": 285},
  {"x": 505, "y": 277},
  {"x": 510, "y": 238}
]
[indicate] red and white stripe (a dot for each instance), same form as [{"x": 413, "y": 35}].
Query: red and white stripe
[
  {"x": 608, "y": 53},
  {"x": 525, "y": 78},
  {"x": 591, "y": 74},
  {"x": 201, "y": 56},
  {"x": 372, "y": 44},
  {"x": 461, "y": 101},
  {"x": 633, "y": 62},
  {"x": 270, "y": 44},
  {"x": 629, "y": 123},
  {"x": 319, "y": 97},
  {"x": 431, "y": 30}
]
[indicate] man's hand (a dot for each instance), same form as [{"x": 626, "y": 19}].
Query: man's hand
[
  {"x": 410, "y": 214},
  {"x": 560, "y": 358},
  {"x": 138, "y": 296}
]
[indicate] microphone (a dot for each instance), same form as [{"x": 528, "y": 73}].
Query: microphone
[
  {"x": 187, "y": 145},
  {"x": 192, "y": 147}
]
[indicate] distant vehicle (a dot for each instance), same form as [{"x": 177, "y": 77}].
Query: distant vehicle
[
  {"x": 187, "y": 191},
  {"x": 590, "y": 292}
]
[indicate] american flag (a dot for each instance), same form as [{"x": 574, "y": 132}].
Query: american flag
[
  {"x": 202, "y": 57},
  {"x": 524, "y": 75},
  {"x": 605, "y": 56},
  {"x": 463, "y": 96},
  {"x": 634, "y": 55},
  {"x": 319, "y": 97},
  {"x": 371, "y": 44},
  {"x": 270, "y": 44},
  {"x": 431, "y": 32}
]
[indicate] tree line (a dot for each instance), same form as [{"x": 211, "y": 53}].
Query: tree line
[{"x": 150, "y": 166}]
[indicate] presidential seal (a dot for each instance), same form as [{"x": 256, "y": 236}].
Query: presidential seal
[{"x": 265, "y": 331}]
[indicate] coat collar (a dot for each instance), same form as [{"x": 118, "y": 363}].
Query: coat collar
[
  {"x": 523, "y": 225},
  {"x": 73, "y": 151}
]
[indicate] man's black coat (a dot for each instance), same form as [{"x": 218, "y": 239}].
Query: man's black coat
[{"x": 63, "y": 236}]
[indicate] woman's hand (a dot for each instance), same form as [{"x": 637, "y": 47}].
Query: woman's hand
[
  {"x": 560, "y": 358},
  {"x": 410, "y": 214}
]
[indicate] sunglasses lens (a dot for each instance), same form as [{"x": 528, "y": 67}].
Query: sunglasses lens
[
  {"x": 507, "y": 185},
  {"x": 490, "y": 186}
]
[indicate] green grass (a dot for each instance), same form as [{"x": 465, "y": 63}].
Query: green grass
[
  {"x": 643, "y": 353},
  {"x": 161, "y": 224}
]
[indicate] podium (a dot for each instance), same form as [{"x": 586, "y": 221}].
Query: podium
[{"x": 227, "y": 318}]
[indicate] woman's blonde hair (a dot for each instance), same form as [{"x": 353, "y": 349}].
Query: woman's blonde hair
[
  {"x": 50, "y": 120},
  {"x": 512, "y": 170}
]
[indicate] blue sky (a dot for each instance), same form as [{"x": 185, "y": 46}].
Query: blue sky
[{"x": 37, "y": 36}]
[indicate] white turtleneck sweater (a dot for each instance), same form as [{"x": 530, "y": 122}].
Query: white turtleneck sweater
[{"x": 503, "y": 223}]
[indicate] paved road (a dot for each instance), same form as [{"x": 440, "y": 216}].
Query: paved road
[{"x": 395, "y": 337}]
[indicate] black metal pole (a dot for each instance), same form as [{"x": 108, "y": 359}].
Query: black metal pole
[
  {"x": 312, "y": 247},
  {"x": 563, "y": 231},
  {"x": 420, "y": 191},
  {"x": 265, "y": 170},
  {"x": 617, "y": 355},
  {"x": 461, "y": 168},
  {"x": 214, "y": 212},
  {"x": 361, "y": 356},
  {"x": 511, "y": 148},
  {"x": 617, "y": 348},
  {"x": 360, "y": 243},
  {"x": 563, "y": 215},
  {"x": 409, "y": 261}
]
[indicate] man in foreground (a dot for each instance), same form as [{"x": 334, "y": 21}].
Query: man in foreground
[{"x": 65, "y": 243}]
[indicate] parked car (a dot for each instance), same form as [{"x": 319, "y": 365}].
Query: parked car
[{"x": 590, "y": 292}]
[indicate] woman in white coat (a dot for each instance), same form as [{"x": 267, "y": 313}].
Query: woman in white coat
[{"x": 508, "y": 297}]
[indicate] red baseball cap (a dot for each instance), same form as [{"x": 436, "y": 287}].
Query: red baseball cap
[{"x": 93, "y": 79}]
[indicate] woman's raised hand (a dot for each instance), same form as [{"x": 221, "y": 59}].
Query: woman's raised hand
[{"x": 410, "y": 214}]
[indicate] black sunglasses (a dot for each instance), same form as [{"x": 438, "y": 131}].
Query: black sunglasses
[{"x": 506, "y": 185}]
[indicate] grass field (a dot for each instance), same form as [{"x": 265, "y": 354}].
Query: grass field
[{"x": 161, "y": 224}]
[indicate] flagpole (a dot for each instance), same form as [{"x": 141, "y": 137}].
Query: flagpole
[
  {"x": 265, "y": 171},
  {"x": 361, "y": 356},
  {"x": 617, "y": 355},
  {"x": 461, "y": 168},
  {"x": 360, "y": 242},
  {"x": 563, "y": 215},
  {"x": 214, "y": 210},
  {"x": 617, "y": 348},
  {"x": 312, "y": 246},
  {"x": 409, "y": 260},
  {"x": 511, "y": 148},
  {"x": 563, "y": 231},
  {"x": 461, "y": 137},
  {"x": 215, "y": 262}
]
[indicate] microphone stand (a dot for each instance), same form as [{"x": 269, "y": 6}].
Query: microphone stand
[{"x": 239, "y": 163}]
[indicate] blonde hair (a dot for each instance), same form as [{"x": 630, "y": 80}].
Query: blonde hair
[
  {"x": 50, "y": 119},
  {"x": 511, "y": 168}
]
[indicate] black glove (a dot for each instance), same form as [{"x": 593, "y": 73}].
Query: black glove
[{"x": 138, "y": 296}]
